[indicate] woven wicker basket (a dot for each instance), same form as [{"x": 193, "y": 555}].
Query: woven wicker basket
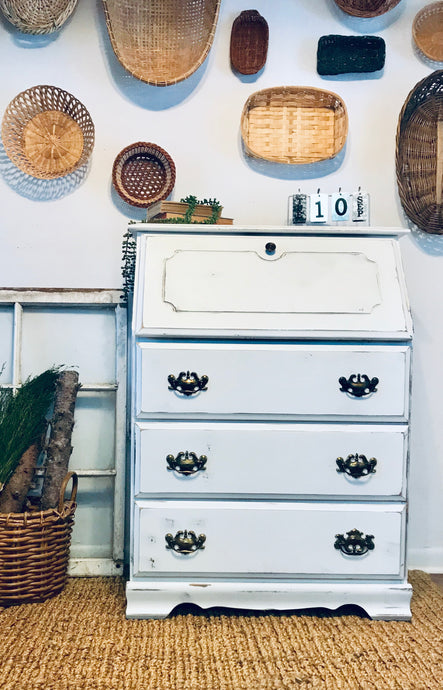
[
  {"x": 47, "y": 132},
  {"x": 427, "y": 31},
  {"x": 294, "y": 124},
  {"x": 249, "y": 42},
  {"x": 161, "y": 42},
  {"x": 34, "y": 550},
  {"x": 419, "y": 154},
  {"x": 37, "y": 16},
  {"x": 143, "y": 173},
  {"x": 366, "y": 8},
  {"x": 350, "y": 54}
]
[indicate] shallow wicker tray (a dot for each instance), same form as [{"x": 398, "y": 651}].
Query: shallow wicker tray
[
  {"x": 294, "y": 124},
  {"x": 161, "y": 42},
  {"x": 366, "y": 8},
  {"x": 143, "y": 173},
  {"x": 249, "y": 42},
  {"x": 350, "y": 54},
  {"x": 427, "y": 31},
  {"x": 37, "y": 16},
  {"x": 419, "y": 154},
  {"x": 47, "y": 132}
]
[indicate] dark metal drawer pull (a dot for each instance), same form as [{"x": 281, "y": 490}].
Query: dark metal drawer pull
[
  {"x": 185, "y": 541},
  {"x": 355, "y": 543},
  {"x": 358, "y": 385},
  {"x": 356, "y": 466},
  {"x": 187, "y": 383},
  {"x": 186, "y": 463}
]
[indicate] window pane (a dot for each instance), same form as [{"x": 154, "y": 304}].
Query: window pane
[
  {"x": 92, "y": 533},
  {"x": 94, "y": 430},
  {"x": 6, "y": 343}
]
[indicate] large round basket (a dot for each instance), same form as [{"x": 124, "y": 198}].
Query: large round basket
[
  {"x": 37, "y": 16},
  {"x": 366, "y": 8},
  {"x": 143, "y": 173},
  {"x": 47, "y": 132},
  {"x": 419, "y": 154},
  {"x": 427, "y": 31},
  {"x": 34, "y": 550}
]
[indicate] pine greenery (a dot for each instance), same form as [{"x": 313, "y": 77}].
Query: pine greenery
[{"x": 22, "y": 418}]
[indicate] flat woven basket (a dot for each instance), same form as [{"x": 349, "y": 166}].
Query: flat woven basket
[
  {"x": 47, "y": 132},
  {"x": 294, "y": 124},
  {"x": 366, "y": 8},
  {"x": 350, "y": 54},
  {"x": 37, "y": 16},
  {"x": 249, "y": 42},
  {"x": 161, "y": 42},
  {"x": 34, "y": 550},
  {"x": 143, "y": 173},
  {"x": 427, "y": 31},
  {"x": 419, "y": 154}
]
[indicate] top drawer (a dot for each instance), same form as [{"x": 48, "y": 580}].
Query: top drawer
[{"x": 272, "y": 286}]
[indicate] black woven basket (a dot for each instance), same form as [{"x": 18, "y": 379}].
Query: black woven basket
[{"x": 346, "y": 54}]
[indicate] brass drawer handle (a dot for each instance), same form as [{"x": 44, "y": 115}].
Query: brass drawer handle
[
  {"x": 187, "y": 383},
  {"x": 356, "y": 466},
  {"x": 358, "y": 385},
  {"x": 355, "y": 543},
  {"x": 186, "y": 463},
  {"x": 185, "y": 541}
]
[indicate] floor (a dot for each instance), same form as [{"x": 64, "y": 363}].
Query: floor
[{"x": 438, "y": 579}]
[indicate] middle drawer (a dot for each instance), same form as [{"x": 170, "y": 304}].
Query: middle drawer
[{"x": 280, "y": 459}]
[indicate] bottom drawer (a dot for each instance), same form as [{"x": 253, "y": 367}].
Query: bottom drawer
[{"x": 271, "y": 539}]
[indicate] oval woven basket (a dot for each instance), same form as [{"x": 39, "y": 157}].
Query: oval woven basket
[
  {"x": 47, "y": 132},
  {"x": 37, "y": 16},
  {"x": 427, "y": 31},
  {"x": 294, "y": 124},
  {"x": 161, "y": 42},
  {"x": 143, "y": 173},
  {"x": 366, "y": 8},
  {"x": 249, "y": 42},
  {"x": 419, "y": 154},
  {"x": 34, "y": 550}
]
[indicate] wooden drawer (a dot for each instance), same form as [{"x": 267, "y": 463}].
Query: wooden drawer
[
  {"x": 277, "y": 381},
  {"x": 250, "y": 459},
  {"x": 268, "y": 539}
]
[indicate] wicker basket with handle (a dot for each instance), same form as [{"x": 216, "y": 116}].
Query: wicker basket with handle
[
  {"x": 427, "y": 31},
  {"x": 37, "y": 16},
  {"x": 161, "y": 42},
  {"x": 366, "y": 8},
  {"x": 294, "y": 124},
  {"x": 34, "y": 550},
  {"x": 419, "y": 154}
]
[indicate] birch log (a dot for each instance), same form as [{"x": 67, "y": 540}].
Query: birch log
[
  {"x": 59, "y": 447},
  {"x": 13, "y": 495}
]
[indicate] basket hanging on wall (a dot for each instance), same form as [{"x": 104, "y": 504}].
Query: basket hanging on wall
[
  {"x": 143, "y": 173},
  {"x": 366, "y": 8},
  {"x": 350, "y": 54},
  {"x": 249, "y": 42},
  {"x": 427, "y": 31},
  {"x": 37, "y": 16},
  {"x": 47, "y": 132},
  {"x": 161, "y": 42},
  {"x": 419, "y": 154}
]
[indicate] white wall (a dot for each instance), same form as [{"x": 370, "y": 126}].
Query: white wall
[{"x": 67, "y": 232}]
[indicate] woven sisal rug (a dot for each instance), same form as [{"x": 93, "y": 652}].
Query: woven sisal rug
[{"x": 81, "y": 640}]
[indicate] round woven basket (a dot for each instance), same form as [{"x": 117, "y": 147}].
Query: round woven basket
[
  {"x": 366, "y": 8},
  {"x": 34, "y": 550},
  {"x": 143, "y": 173},
  {"x": 47, "y": 132},
  {"x": 427, "y": 31},
  {"x": 37, "y": 16},
  {"x": 419, "y": 154}
]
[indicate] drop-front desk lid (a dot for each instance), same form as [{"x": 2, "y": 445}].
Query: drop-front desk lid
[{"x": 268, "y": 282}]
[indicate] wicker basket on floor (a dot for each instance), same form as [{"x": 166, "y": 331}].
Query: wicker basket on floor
[
  {"x": 34, "y": 550},
  {"x": 427, "y": 31},
  {"x": 143, "y": 173},
  {"x": 161, "y": 42},
  {"x": 294, "y": 124},
  {"x": 249, "y": 42},
  {"x": 47, "y": 132},
  {"x": 419, "y": 154},
  {"x": 37, "y": 16},
  {"x": 366, "y": 8}
]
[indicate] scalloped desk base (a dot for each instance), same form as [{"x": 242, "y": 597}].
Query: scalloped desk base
[{"x": 380, "y": 600}]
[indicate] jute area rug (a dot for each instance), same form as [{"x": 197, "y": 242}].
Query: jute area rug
[{"x": 81, "y": 640}]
